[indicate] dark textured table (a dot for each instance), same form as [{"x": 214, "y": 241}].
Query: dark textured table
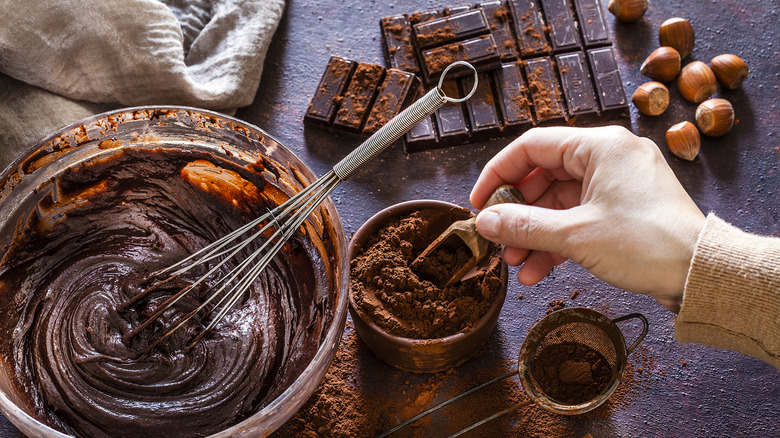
[{"x": 679, "y": 390}]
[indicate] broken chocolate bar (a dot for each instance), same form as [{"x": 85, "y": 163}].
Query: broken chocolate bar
[
  {"x": 396, "y": 92},
  {"x": 358, "y": 97},
  {"x": 480, "y": 52},
  {"x": 481, "y": 108},
  {"x": 576, "y": 83},
  {"x": 564, "y": 34},
  {"x": 609, "y": 87},
  {"x": 512, "y": 98},
  {"x": 545, "y": 91},
  {"x": 397, "y": 43},
  {"x": 324, "y": 104},
  {"x": 445, "y": 30},
  {"x": 497, "y": 15},
  {"x": 529, "y": 27},
  {"x": 450, "y": 120},
  {"x": 592, "y": 24}
]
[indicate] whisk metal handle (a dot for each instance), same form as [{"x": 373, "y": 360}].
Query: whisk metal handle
[{"x": 398, "y": 125}]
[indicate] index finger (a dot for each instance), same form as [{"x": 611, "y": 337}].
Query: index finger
[{"x": 547, "y": 148}]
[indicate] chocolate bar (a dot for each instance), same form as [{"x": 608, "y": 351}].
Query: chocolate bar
[
  {"x": 512, "y": 97},
  {"x": 500, "y": 24},
  {"x": 324, "y": 104},
  {"x": 450, "y": 120},
  {"x": 545, "y": 91},
  {"x": 396, "y": 92},
  {"x": 564, "y": 34},
  {"x": 359, "y": 98},
  {"x": 445, "y": 30},
  {"x": 397, "y": 43},
  {"x": 481, "y": 52},
  {"x": 576, "y": 83},
  {"x": 529, "y": 27},
  {"x": 609, "y": 87},
  {"x": 481, "y": 108},
  {"x": 592, "y": 24}
]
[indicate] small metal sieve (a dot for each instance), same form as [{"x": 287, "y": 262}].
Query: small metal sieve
[{"x": 595, "y": 355}]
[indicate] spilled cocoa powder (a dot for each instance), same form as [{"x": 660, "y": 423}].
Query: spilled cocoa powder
[{"x": 386, "y": 290}]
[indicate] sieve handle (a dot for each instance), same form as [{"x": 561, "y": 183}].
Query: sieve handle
[{"x": 645, "y": 327}]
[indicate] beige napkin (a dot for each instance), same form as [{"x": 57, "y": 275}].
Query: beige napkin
[{"x": 61, "y": 61}]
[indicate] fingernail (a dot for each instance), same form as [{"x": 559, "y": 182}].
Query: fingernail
[{"x": 488, "y": 224}]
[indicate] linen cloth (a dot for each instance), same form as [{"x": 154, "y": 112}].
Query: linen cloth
[{"x": 64, "y": 60}]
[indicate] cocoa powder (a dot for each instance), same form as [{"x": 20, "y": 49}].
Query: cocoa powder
[{"x": 385, "y": 289}]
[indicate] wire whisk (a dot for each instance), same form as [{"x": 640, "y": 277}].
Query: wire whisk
[{"x": 281, "y": 223}]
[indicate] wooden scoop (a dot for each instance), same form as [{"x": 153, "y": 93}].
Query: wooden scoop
[{"x": 459, "y": 237}]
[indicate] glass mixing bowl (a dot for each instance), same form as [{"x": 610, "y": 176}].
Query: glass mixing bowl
[{"x": 26, "y": 180}]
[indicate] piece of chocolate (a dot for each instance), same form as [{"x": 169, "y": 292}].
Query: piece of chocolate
[
  {"x": 606, "y": 75},
  {"x": 592, "y": 23},
  {"x": 481, "y": 108},
  {"x": 445, "y": 30},
  {"x": 497, "y": 15},
  {"x": 576, "y": 83},
  {"x": 564, "y": 34},
  {"x": 396, "y": 92},
  {"x": 421, "y": 137},
  {"x": 512, "y": 97},
  {"x": 397, "y": 43},
  {"x": 423, "y": 16},
  {"x": 450, "y": 120},
  {"x": 359, "y": 96},
  {"x": 545, "y": 91},
  {"x": 327, "y": 98},
  {"x": 529, "y": 27},
  {"x": 481, "y": 52}
]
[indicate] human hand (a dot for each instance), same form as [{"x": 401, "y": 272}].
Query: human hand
[{"x": 602, "y": 197}]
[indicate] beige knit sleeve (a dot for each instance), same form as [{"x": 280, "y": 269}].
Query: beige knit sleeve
[{"x": 732, "y": 294}]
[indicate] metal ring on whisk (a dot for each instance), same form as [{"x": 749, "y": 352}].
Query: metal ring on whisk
[{"x": 473, "y": 89}]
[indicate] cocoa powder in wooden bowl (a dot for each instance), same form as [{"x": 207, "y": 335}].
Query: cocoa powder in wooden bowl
[{"x": 409, "y": 322}]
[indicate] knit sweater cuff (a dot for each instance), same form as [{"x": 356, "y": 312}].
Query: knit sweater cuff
[{"x": 732, "y": 293}]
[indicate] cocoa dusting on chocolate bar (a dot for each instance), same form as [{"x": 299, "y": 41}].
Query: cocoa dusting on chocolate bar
[
  {"x": 397, "y": 300},
  {"x": 501, "y": 14},
  {"x": 439, "y": 36},
  {"x": 544, "y": 98},
  {"x": 441, "y": 57}
]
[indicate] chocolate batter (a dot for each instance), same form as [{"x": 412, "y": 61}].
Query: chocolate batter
[{"x": 88, "y": 246}]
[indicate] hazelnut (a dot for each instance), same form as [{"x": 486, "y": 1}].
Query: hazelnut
[
  {"x": 715, "y": 117},
  {"x": 663, "y": 65},
  {"x": 677, "y": 33},
  {"x": 697, "y": 82},
  {"x": 683, "y": 140},
  {"x": 627, "y": 10},
  {"x": 651, "y": 98},
  {"x": 730, "y": 70}
]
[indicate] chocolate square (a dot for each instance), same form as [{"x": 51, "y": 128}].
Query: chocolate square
[
  {"x": 449, "y": 29},
  {"x": 529, "y": 27},
  {"x": 609, "y": 87},
  {"x": 545, "y": 90},
  {"x": 327, "y": 99},
  {"x": 483, "y": 114},
  {"x": 450, "y": 119},
  {"x": 592, "y": 24},
  {"x": 481, "y": 52},
  {"x": 397, "y": 43},
  {"x": 576, "y": 83},
  {"x": 500, "y": 24},
  {"x": 396, "y": 92},
  {"x": 564, "y": 33},
  {"x": 512, "y": 98}
]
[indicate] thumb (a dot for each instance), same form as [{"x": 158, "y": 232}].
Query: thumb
[{"x": 527, "y": 226}]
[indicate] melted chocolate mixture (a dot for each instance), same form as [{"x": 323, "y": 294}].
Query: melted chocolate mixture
[{"x": 87, "y": 247}]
